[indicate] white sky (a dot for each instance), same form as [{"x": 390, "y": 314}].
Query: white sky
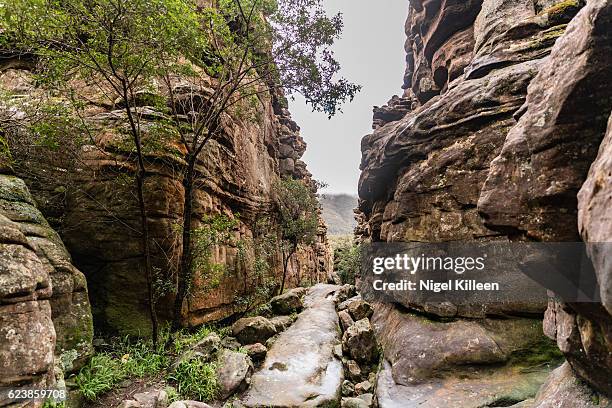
[{"x": 371, "y": 53}]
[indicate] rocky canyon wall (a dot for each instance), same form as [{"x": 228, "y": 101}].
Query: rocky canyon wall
[
  {"x": 45, "y": 318},
  {"x": 504, "y": 111},
  {"x": 88, "y": 196}
]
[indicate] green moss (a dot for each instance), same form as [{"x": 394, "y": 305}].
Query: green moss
[
  {"x": 561, "y": 8},
  {"x": 543, "y": 352},
  {"x": 127, "y": 320}
]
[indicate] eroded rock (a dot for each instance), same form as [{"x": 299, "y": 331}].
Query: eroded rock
[
  {"x": 256, "y": 351},
  {"x": 359, "y": 341}
]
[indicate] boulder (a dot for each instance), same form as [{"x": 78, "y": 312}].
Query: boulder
[
  {"x": 234, "y": 372},
  {"x": 287, "y": 303},
  {"x": 345, "y": 303},
  {"x": 281, "y": 323},
  {"x": 189, "y": 404},
  {"x": 256, "y": 351},
  {"x": 485, "y": 387},
  {"x": 360, "y": 309},
  {"x": 368, "y": 398},
  {"x": 419, "y": 348},
  {"x": 359, "y": 342},
  {"x": 230, "y": 342},
  {"x": 353, "y": 369},
  {"x": 152, "y": 399},
  {"x": 204, "y": 349},
  {"x": 346, "y": 320},
  {"x": 133, "y": 404},
  {"x": 348, "y": 388},
  {"x": 353, "y": 403},
  {"x": 250, "y": 330},
  {"x": 363, "y": 387},
  {"x": 345, "y": 292},
  {"x": 563, "y": 389}
]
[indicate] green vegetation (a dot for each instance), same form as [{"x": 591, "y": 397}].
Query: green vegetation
[
  {"x": 347, "y": 259},
  {"x": 297, "y": 210},
  {"x": 128, "y": 359},
  {"x": 196, "y": 379},
  {"x": 132, "y": 359},
  {"x": 183, "y": 66}
]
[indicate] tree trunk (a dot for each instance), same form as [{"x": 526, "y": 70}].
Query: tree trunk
[
  {"x": 144, "y": 222},
  {"x": 185, "y": 272},
  {"x": 286, "y": 267}
]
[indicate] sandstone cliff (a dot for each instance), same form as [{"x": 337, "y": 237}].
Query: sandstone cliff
[
  {"x": 45, "y": 317},
  {"x": 504, "y": 110},
  {"x": 90, "y": 201}
]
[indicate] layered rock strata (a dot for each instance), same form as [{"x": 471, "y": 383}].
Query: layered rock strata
[
  {"x": 45, "y": 318},
  {"x": 508, "y": 107}
]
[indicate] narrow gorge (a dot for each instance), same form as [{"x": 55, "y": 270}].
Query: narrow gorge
[{"x": 503, "y": 135}]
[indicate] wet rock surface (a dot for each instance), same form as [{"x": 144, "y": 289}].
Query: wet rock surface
[{"x": 300, "y": 369}]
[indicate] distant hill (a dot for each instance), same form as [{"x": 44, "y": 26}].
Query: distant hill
[{"x": 338, "y": 213}]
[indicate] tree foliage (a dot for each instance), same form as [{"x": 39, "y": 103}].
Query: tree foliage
[{"x": 297, "y": 210}]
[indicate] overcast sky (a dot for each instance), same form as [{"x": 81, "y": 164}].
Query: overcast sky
[{"x": 371, "y": 53}]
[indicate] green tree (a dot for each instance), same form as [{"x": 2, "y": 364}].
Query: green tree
[
  {"x": 257, "y": 49},
  {"x": 115, "y": 44},
  {"x": 298, "y": 219}
]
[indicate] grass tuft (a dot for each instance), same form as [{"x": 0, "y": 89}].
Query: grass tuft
[{"x": 196, "y": 379}]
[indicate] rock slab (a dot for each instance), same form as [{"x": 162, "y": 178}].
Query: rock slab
[{"x": 300, "y": 369}]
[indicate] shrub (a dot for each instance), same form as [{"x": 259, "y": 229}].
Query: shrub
[{"x": 347, "y": 261}]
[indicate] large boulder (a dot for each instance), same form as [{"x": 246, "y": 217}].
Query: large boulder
[
  {"x": 287, "y": 303},
  {"x": 281, "y": 323},
  {"x": 45, "y": 317},
  {"x": 250, "y": 330},
  {"x": 563, "y": 389},
  {"x": 360, "y": 309},
  {"x": 418, "y": 348},
  {"x": 256, "y": 351}
]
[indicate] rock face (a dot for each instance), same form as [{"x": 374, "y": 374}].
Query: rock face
[
  {"x": 45, "y": 318},
  {"x": 300, "y": 369},
  {"x": 533, "y": 184},
  {"x": 504, "y": 111},
  {"x": 92, "y": 206}
]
